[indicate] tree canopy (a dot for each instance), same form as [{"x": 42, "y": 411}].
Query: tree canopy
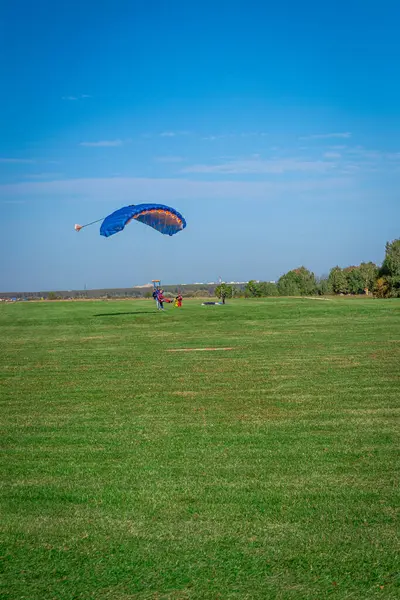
[
  {"x": 298, "y": 282},
  {"x": 390, "y": 270}
]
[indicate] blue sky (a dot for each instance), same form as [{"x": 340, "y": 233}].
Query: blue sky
[{"x": 273, "y": 127}]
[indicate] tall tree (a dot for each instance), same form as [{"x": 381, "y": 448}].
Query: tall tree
[
  {"x": 252, "y": 289},
  {"x": 355, "y": 280},
  {"x": 390, "y": 269},
  {"x": 323, "y": 287},
  {"x": 298, "y": 282},
  {"x": 391, "y": 264},
  {"x": 369, "y": 272},
  {"x": 338, "y": 281},
  {"x": 288, "y": 285},
  {"x": 223, "y": 291},
  {"x": 381, "y": 288}
]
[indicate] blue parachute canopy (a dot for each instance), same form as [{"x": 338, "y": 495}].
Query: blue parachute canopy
[{"x": 163, "y": 218}]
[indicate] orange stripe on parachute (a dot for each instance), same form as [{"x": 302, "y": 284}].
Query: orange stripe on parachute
[{"x": 160, "y": 212}]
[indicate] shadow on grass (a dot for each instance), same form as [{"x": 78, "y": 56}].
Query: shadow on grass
[{"x": 118, "y": 314}]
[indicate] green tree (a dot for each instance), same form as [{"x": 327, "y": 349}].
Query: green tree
[
  {"x": 369, "y": 272},
  {"x": 391, "y": 263},
  {"x": 382, "y": 288},
  {"x": 288, "y": 285},
  {"x": 266, "y": 288},
  {"x": 338, "y": 281},
  {"x": 223, "y": 291},
  {"x": 307, "y": 281},
  {"x": 355, "y": 280},
  {"x": 252, "y": 289},
  {"x": 298, "y": 282},
  {"x": 391, "y": 268},
  {"x": 323, "y": 287}
]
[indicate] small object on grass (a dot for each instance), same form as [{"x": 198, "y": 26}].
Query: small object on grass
[{"x": 212, "y": 303}]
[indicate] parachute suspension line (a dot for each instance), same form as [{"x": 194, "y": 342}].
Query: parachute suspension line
[{"x": 79, "y": 227}]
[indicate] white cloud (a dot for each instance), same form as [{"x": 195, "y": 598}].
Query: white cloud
[
  {"x": 122, "y": 189},
  {"x": 103, "y": 144},
  {"x": 244, "y": 134},
  {"x": 363, "y": 152},
  {"x": 256, "y": 165},
  {"x": 173, "y": 133},
  {"x": 16, "y": 160},
  {"x": 332, "y": 155},
  {"x": 169, "y": 159},
  {"x": 370, "y": 157},
  {"x": 326, "y": 136},
  {"x": 254, "y": 134},
  {"x": 42, "y": 175},
  {"x": 80, "y": 97}
]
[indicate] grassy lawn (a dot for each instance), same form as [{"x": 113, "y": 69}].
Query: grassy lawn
[{"x": 268, "y": 471}]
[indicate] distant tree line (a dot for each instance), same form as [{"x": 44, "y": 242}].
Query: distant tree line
[{"x": 383, "y": 281}]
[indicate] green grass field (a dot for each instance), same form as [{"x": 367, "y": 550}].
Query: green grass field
[{"x": 267, "y": 471}]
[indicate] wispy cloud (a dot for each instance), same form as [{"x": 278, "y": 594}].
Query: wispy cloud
[
  {"x": 256, "y": 165},
  {"x": 80, "y": 97},
  {"x": 254, "y": 134},
  {"x": 219, "y": 136},
  {"x": 103, "y": 144},
  {"x": 173, "y": 189},
  {"x": 326, "y": 136},
  {"x": 173, "y": 133},
  {"x": 16, "y": 160},
  {"x": 244, "y": 134},
  {"x": 169, "y": 159},
  {"x": 45, "y": 176},
  {"x": 332, "y": 155},
  {"x": 363, "y": 153},
  {"x": 372, "y": 160}
]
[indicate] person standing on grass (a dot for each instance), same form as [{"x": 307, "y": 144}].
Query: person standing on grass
[
  {"x": 162, "y": 299},
  {"x": 156, "y": 296}
]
